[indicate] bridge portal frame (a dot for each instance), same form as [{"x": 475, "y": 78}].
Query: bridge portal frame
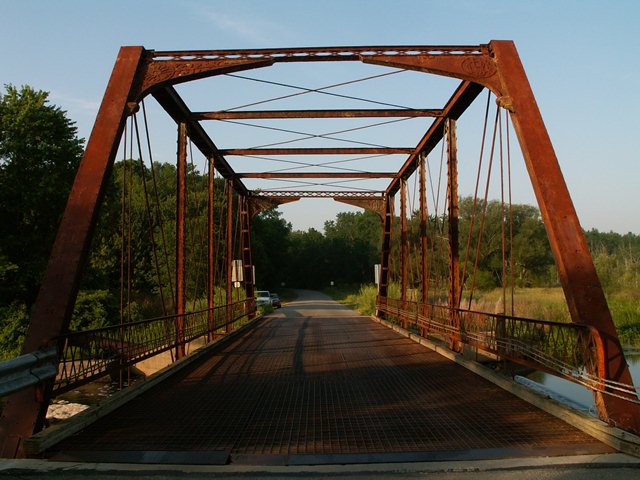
[{"x": 139, "y": 72}]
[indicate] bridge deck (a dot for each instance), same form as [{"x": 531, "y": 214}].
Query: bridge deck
[{"x": 318, "y": 383}]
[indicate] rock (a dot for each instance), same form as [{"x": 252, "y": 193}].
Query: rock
[{"x": 62, "y": 410}]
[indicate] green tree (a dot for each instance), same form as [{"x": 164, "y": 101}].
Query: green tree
[
  {"x": 530, "y": 248},
  {"x": 93, "y": 309},
  {"x": 353, "y": 242},
  {"x": 308, "y": 265},
  {"x": 39, "y": 154},
  {"x": 355, "y": 226},
  {"x": 532, "y": 257},
  {"x": 269, "y": 245},
  {"x": 617, "y": 260},
  {"x": 13, "y": 326}
]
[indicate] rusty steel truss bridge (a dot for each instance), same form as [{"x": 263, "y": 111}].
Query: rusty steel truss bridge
[{"x": 585, "y": 350}]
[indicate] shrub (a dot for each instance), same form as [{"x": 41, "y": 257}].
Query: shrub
[
  {"x": 96, "y": 309},
  {"x": 265, "y": 309},
  {"x": 13, "y": 327}
]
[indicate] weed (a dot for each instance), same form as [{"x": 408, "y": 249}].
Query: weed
[{"x": 265, "y": 309}]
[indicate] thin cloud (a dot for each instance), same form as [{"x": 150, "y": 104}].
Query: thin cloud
[
  {"x": 73, "y": 103},
  {"x": 251, "y": 29}
]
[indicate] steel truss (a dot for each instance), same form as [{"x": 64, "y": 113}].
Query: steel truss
[{"x": 139, "y": 72}]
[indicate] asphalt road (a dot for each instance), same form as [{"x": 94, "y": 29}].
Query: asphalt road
[{"x": 312, "y": 303}]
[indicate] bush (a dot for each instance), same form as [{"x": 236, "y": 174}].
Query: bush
[
  {"x": 13, "y": 327},
  {"x": 484, "y": 281},
  {"x": 265, "y": 309},
  {"x": 342, "y": 292},
  {"x": 364, "y": 300},
  {"x": 96, "y": 309}
]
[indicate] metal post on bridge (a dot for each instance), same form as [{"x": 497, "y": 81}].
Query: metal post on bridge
[
  {"x": 403, "y": 250},
  {"x": 211, "y": 254},
  {"x": 454, "y": 261},
  {"x": 387, "y": 223},
  {"x": 424, "y": 278},
  {"x": 245, "y": 241},
  {"x": 229, "y": 240},
  {"x": 181, "y": 209}
]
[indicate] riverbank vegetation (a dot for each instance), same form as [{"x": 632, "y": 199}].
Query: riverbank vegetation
[{"x": 536, "y": 303}]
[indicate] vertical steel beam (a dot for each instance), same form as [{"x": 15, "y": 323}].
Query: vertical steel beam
[
  {"x": 211, "y": 253},
  {"x": 245, "y": 238},
  {"x": 424, "y": 280},
  {"x": 181, "y": 210},
  {"x": 582, "y": 288},
  {"x": 387, "y": 225},
  {"x": 452, "y": 206},
  {"x": 24, "y": 411},
  {"x": 229, "y": 241},
  {"x": 404, "y": 264}
]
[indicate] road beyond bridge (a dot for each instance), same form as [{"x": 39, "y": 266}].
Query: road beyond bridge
[{"x": 317, "y": 383}]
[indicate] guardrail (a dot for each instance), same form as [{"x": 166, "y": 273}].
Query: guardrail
[
  {"x": 568, "y": 350},
  {"x": 88, "y": 355},
  {"x": 27, "y": 370}
]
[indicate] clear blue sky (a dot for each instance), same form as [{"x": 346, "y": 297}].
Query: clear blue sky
[{"x": 582, "y": 58}]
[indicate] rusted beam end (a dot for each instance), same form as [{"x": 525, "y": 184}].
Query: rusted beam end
[
  {"x": 374, "y": 204},
  {"x": 258, "y": 204}
]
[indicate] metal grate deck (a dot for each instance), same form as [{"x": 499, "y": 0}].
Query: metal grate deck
[{"x": 321, "y": 390}]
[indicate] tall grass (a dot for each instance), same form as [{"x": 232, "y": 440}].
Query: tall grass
[
  {"x": 363, "y": 298},
  {"x": 537, "y": 303},
  {"x": 625, "y": 310}
]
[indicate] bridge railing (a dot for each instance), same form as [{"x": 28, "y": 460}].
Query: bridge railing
[
  {"x": 568, "y": 350},
  {"x": 88, "y": 355}
]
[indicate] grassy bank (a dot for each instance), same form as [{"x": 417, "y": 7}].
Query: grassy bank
[
  {"x": 549, "y": 304},
  {"x": 538, "y": 303},
  {"x": 626, "y": 315},
  {"x": 361, "y": 298}
]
